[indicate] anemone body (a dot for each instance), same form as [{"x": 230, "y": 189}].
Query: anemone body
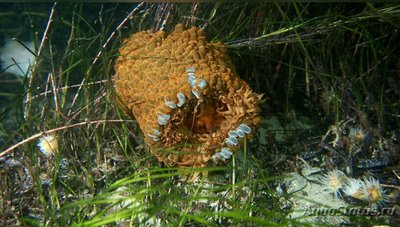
[{"x": 185, "y": 94}]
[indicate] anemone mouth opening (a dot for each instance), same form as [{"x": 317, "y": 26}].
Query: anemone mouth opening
[{"x": 205, "y": 118}]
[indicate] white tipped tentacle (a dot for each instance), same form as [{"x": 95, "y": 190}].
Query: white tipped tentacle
[
  {"x": 155, "y": 135},
  {"x": 226, "y": 152},
  {"x": 191, "y": 69},
  {"x": 219, "y": 156},
  {"x": 245, "y": 128},
  {"x": 240, "y": 133},
  {"x": 231, "y": 141},
  {"x": 155, "y": 138},
  {"x": 170, "y": 104},
  {"x": 192, "y": 81},
  {"x": 232, "y": 134},
  {"x": 191, "y": 74},
  {"x": 163, "y": 118},
  {"x": 196, "y": 93},
  {"x": 181, "y": 99},
  {"x": 202, "y": 84}
]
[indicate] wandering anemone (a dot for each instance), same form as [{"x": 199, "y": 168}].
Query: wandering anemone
[
  {"x": 186, "y": 96},
  {"x": 333, "y": 182}
]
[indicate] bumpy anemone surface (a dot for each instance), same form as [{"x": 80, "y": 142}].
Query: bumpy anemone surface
[{"x": 186, "y": 96}]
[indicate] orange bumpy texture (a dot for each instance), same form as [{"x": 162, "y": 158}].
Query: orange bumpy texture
[{"x": 185, "y": 94}]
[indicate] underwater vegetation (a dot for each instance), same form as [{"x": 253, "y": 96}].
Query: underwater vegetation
[{"x": 200, "y": 114}]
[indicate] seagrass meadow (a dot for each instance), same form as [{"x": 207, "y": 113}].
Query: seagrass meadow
[{"x": 199, "y": 114}]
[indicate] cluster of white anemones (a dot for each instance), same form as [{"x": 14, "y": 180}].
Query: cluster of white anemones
[{"x": 367, "y": 190}]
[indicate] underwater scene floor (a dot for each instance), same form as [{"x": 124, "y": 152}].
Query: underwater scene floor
[{"x": 199, "y": 114}]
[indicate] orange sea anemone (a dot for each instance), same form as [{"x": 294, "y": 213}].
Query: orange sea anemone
[{"x": 186, "y": 96}]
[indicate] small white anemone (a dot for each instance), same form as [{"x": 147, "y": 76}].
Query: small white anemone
[
  {"x": 375, "y": 194},
  {"x": 333, "y": 181},
  {"x": 48, "y": 145},
  {"x": 357, "y": 134},
  {"x": 354, "y": 188}
]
